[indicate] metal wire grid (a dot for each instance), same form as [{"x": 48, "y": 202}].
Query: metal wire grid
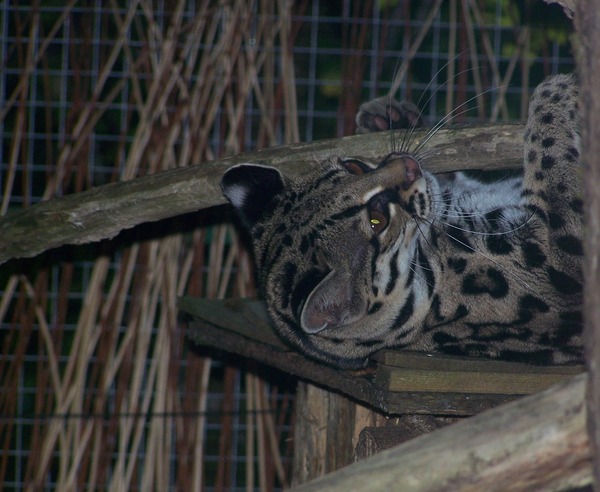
[{"x": 318, "y": 53}]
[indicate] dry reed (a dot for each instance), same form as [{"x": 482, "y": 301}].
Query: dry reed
[{"x": 123, "y": 394}]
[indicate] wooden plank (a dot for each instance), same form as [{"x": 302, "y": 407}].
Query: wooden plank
[
  {"x": 242, "y": 327},
  {"x": 433, "y": 362},
  {"x": 405, "y": 371},
  {"x": 245, "y": 317},
  {"x": 498, "y": 383}
]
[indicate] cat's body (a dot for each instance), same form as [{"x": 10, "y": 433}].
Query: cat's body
[{"x": 361, "y": 255}]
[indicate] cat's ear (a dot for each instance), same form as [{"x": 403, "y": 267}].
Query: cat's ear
[
  {"x": 328, "y": 305},
  {"x": 251, "y": 188}
]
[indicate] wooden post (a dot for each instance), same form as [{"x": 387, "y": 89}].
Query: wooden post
[
  {"x": 323, "y": 433},
  {"x": 587, "y": 21},
  {"x": 326, "y": 431}
]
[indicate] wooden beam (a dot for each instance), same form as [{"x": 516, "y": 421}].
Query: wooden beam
[
  {"x": 587, "y": 22},
  {"x": 103, "y": 212},
  {"x": 539, "y": 442}
]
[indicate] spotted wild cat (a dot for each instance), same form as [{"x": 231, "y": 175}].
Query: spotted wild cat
[{"x": 361, "y": 255}]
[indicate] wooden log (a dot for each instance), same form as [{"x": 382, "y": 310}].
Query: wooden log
[
  {"x": 102, "y": 212},
  {"x": 587, "y": 22},
  {"x": 539, "y": 442}
]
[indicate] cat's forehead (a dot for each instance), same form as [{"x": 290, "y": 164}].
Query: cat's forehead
[{"x": 333, "y": 175}]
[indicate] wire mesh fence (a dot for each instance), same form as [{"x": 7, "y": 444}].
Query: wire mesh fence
[{"x": 100, "y": 388}]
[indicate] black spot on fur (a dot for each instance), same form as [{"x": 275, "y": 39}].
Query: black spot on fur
[
  {"x": 535, "y": 210},
  {"x": 563, "y": 283},
  {"x": 555, "y": 221},
  {"x": 494, "y": 218},
  {"x": 529, "y": 305},
  {"x": 540, "y": 176},
  {"x": 570, "y": 244},
  {"x": 460, "y": 240},
  {"x": 577, "y": 205},
  {"x": 531, "y": 156},
  {"x": 548, "y": 162},
  {"x": 540, "y": 357},
  {"x": 461, "y": 312},
  {"x": 441, "y": 339},
  {"x": 492, "y": 282},
  {"x": 457, "y": 265},
  {"x": 533, "y": 254},
  {"x": 572, "y": 155},
  {"x": 548, "y": 142},
  {"x": 570, "y": 327},
  {"x": 304, "y": 245},
  {"x": 498, "y": 245},
  {"x": 547, "y": 118}
]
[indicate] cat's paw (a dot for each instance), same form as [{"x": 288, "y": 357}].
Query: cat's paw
[{"x": 385, "y": 113}]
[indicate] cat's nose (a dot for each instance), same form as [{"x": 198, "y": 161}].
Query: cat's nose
[{"x": 404, "y": 168}]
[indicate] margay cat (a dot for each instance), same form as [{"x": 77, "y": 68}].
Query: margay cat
[{"x": 359, "y": 255}]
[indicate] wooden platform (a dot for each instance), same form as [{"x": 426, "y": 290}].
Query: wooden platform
[{"x": 395, "y": 382}]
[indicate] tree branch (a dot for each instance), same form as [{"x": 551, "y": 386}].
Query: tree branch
[{"x": 101, "y": 213}]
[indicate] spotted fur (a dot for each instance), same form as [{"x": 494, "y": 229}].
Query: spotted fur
[{"x": 361, "y": 255}]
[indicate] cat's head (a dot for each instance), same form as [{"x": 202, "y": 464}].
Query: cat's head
[{"x": 334, "y": 250}]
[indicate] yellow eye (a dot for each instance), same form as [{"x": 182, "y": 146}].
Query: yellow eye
[{"x": 378, "y": 221}]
